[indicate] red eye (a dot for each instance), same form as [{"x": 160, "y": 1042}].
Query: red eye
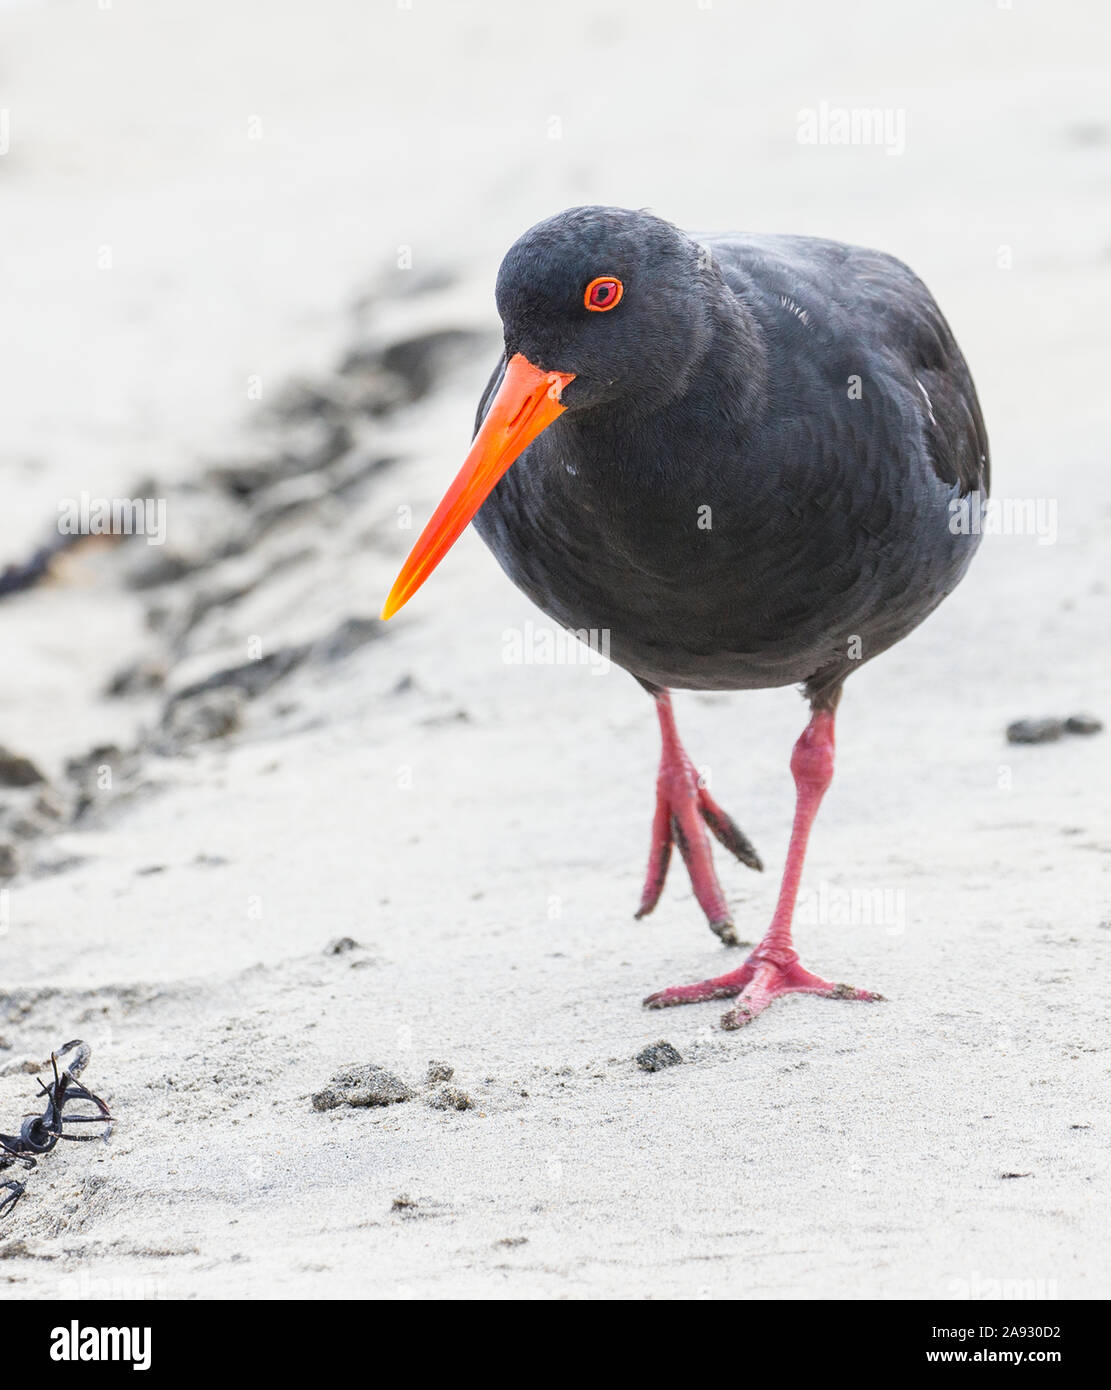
[{"x": 603, "y": 293}]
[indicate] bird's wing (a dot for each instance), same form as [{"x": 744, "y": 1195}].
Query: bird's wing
[{"x": 869, "y": 298}]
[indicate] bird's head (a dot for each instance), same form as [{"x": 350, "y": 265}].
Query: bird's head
[
  {"x": 604, "y": 310},
  {"x": 610, "y": 298}
]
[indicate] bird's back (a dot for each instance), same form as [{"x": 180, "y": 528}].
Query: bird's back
[{"x": 851, "y": 303}]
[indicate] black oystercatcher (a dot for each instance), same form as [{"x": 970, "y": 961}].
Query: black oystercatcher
[{"x": 741, "y": 457}]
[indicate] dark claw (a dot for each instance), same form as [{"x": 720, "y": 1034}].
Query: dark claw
[
  {"x": 726, "y": 932},
  {"x": 728, "y": 832}
]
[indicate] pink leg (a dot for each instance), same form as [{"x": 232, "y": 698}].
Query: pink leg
[
  {"x": 773, "y": 968},
  {"x": 683, "y": 811}
]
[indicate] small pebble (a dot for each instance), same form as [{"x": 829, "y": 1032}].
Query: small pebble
[
  {"x": 1035, "y": 730},
  {"x": 450, "y": 1098},
  {"x": 361, "y": 1086},
  {"x": 18, "y": 771},
  {"x": 340, "y": 945},
  {"x": 208, "y": 714},
  {"x": 657, "y": 1056},
  {"x": 438, "y": 1071},
  {"x": 1083, "y": 724}
]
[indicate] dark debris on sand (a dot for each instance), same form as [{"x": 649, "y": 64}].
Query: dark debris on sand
[
  {"x": 67, "y": 1103},
  {"x": 362, "y": 1086},
  {"x": 30, "y": 807},
  {"x": 449, "y": 1098},
  {"x": 340, "y": 945},
  {"x": 1050, "y": 730},
  {"x": 1083, "y": 724},
  {"x": 656, "y": 1056},
  {"x": 18, "y": 771}
]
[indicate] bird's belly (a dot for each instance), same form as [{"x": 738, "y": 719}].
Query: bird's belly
[{"x": 729, "y": 613}]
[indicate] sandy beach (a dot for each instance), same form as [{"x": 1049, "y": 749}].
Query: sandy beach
[{"x": 251, "y": 252}]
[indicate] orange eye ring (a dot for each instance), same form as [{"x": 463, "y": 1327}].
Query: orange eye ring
[{"x": 603, "y": 293}]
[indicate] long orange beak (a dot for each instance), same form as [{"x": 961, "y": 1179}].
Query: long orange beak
[{"x": 527, "y": 402}]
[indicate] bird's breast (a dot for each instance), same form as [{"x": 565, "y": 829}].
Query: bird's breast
[{"x": 719, "y": 563}]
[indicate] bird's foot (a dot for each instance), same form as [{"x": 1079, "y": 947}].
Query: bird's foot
[
  {"x": 684, "y": 811},
  {"x": 763, "y": 977}
]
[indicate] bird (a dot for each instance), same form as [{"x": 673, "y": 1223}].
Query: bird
[{"x": 743, "y": 458}]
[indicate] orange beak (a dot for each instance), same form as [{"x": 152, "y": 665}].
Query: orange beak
[{"x": 527, "y": 402}]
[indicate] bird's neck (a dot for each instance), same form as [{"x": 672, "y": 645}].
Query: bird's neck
[{"x": 719, "y": 400}]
